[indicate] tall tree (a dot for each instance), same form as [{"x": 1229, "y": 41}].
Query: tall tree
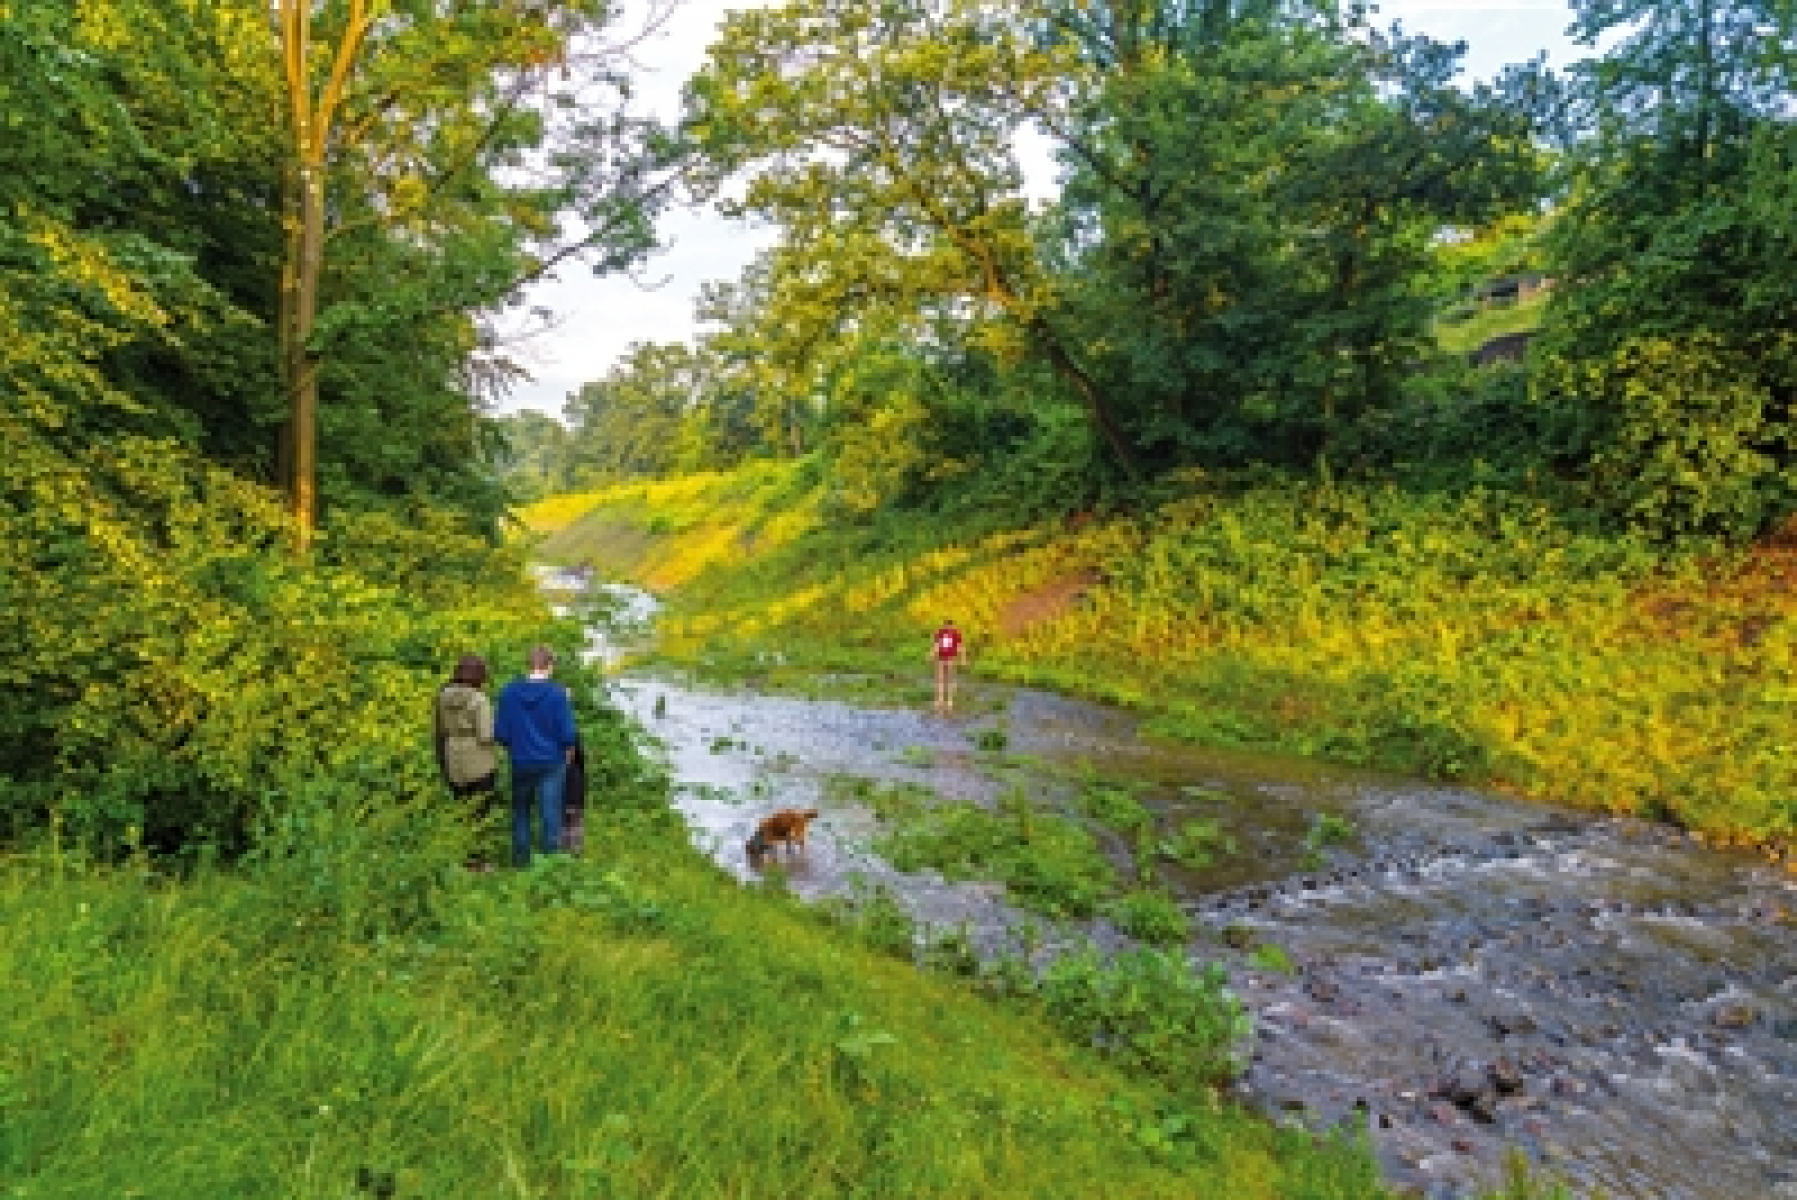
[
  {"x": 436, "y": 127},
  {"x": 882, "y": 139},
  {"x": 1253, "y": 193}
]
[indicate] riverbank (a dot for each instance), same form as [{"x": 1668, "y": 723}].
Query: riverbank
[
  {"x": 1478, "y": 636},
  {"x": 354, "y": 1014},
  {"x": 1461, "y": 974}
]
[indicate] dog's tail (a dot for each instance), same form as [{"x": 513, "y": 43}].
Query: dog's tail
[{"x": 811, "y": 814}]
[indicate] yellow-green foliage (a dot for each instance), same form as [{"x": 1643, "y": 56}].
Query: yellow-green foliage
[
  {"x": 635, "y": 1026},
  {"x": 552, "y": 514},
  {"x": 1465, "y": 336},
  {"x": 664, "y": 533},
  {"x": 1480, "y": 636},
  {"x": 171, "y": 667}
]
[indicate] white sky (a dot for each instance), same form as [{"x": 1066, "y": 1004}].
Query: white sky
[{"x": 596, "y": 318}]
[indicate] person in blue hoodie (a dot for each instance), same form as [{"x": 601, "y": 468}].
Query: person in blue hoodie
[{"x": 535, "y": 724}]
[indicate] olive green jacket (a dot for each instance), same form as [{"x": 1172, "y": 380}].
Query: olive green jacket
[{"x": 464, "y": 731}]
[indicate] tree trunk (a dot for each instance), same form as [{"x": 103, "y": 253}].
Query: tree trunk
[
  {"x": 1073, "y": 373},
  {"x": 302, "y": 371},
  {"x": 310, "y": 120}
]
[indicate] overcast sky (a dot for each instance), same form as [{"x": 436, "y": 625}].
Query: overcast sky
[{"x": 598, "y": 318}]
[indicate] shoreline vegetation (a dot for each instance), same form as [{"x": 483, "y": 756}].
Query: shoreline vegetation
[
  {"x": 1476, "y": 635},
  {"x": 626, "y": 1024}
]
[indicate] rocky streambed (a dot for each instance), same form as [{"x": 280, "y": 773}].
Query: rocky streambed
[{"x": 1462, "y": 974}]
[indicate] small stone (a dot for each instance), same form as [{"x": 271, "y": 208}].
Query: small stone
[
  {"x": 1505, "y": 1078},
  {"x": 1734, "y": 1016},
  {"x": 1510, "y": 1024},
  {"x": 1465, "y": 1088},
  {"x": 1463, "y": 1145},
  {"x": 1323, "y": 991}
]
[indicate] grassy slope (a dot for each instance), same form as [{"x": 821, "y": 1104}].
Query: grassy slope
[
  {"x": 632, "y": 1026},
  {"x": 1463, "y": 337},
  {"x": 1473, "y": 637}
]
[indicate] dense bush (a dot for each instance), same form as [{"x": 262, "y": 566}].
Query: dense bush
[
  {"x": 174, "y": 669},
  {"x": 1690, "y": 434}
]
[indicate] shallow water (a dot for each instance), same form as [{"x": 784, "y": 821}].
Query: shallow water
[{"x": 1471, "y": 972}]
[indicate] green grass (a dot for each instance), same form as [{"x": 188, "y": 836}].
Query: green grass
[
  {"x": 1465, "y": 336},
  {"x": 632, "y": 1025}
]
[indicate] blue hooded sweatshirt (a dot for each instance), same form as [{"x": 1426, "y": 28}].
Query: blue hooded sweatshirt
[{"x": 535, "y": 722}]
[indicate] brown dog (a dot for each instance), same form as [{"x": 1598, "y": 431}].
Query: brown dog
[{"x": 784, "y": 828}]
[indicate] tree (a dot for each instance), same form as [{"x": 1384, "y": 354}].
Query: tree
[
  {"x": 430, "y": 128},
  {"x": 882, "y": 138},
  {"x": 111, "y": 287},
  {"x": 1238, "y": 254},
  {"x": 535, "y": 459},
  {"x": 1669, "y": 343},
  {"x": 1252, "y": 202},
  {"x": 628, "y": 425}
]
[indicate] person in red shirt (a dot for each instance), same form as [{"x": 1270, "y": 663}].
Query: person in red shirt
[{"x": 946, "y": 650}]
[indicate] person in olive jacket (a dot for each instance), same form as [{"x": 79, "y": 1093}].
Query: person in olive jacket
[
  {"x": 536, "y": 726},
  {"x": 466, "y": 752}
]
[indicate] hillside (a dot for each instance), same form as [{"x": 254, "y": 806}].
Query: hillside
[{"x": 1476, "y": 636}]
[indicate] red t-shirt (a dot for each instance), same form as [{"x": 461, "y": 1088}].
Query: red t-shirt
[{"x": 948, "y": 643}]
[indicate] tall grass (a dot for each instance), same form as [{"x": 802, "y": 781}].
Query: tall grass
[{"x": 632, "y": 1024}]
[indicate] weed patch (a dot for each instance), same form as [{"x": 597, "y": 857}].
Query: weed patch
[{"x": 1048, "y": 864}]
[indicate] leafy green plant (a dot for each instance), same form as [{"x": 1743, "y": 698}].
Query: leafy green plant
[
  {"x": 1057, "y": 869},
  {"x": 877, "y": 919},
  {"x": 1116, "y": 805},
  {"x": 1196, "y": 842},
  {"x": 1273, "y": 958},
  {"x": 1153, "y": 1010},
  {"x": 951, "y": 952},
  {"x": 1326, "y": 829},
  {"x": 1154, "y": 917},
  {"x": 992, "y": 740}
]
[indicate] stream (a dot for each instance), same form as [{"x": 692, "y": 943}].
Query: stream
[{"x": 1469, "y": 973}]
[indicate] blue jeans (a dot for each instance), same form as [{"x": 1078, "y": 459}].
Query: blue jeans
[{"x": 538, "y": 785}]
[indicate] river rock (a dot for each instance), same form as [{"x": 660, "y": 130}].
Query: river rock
[
  {"x": 1509, "y": 1024},
  {"x": 1734, "y": 1016},
  {"x": 1505, "y": 1078}
]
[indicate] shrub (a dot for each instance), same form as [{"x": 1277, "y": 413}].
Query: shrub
[
  {"x": 1153, "y": 917},
  {"x": 175, "y": 670},
  {"x": 1151, "y": 1010},
  {"x": 1693, "y": 439}
]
